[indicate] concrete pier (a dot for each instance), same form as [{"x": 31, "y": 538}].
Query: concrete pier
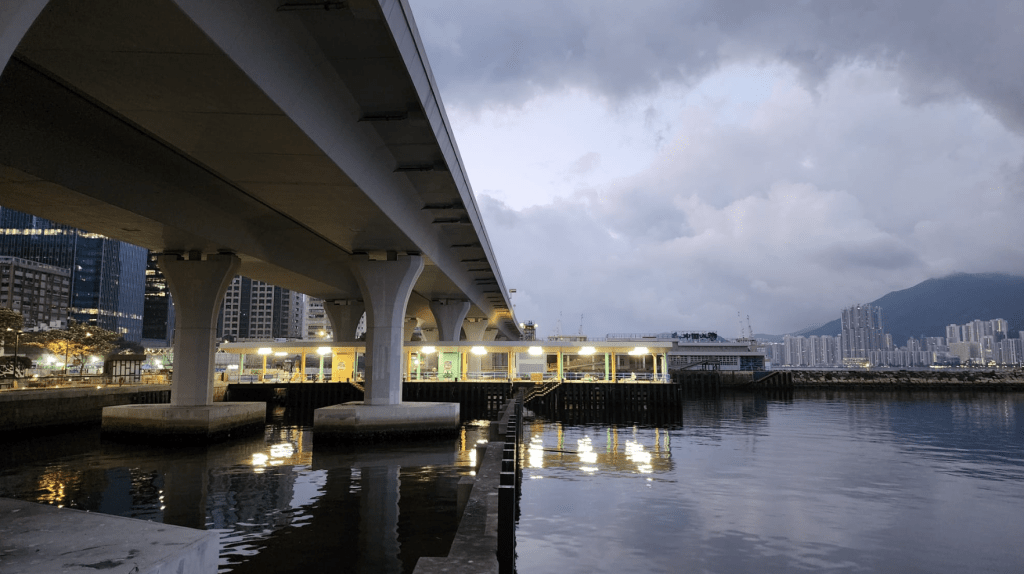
[
  {"x": 197, "y": 423},
  {"x": 22, "y": 410},
  {"x": 40, "y": 539},
  {"x": 355, "y": 421}
]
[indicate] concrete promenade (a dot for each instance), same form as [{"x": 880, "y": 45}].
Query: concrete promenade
[
  {"x": 475, "y": 548},
  {"x": 40, "y": 539}
]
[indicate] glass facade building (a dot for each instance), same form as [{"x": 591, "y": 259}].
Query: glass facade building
[
  {"x": 158, "y": 316},
  {"x": 107, "y": 276}
]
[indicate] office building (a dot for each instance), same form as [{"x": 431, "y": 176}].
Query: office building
[
  {"x": 158, "y": 314},
  {"x": 107, "y": 277},
  {"x": 38, "y": 291},
  {"x": 257, "y": 310}
]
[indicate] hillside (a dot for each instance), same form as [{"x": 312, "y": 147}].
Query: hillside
[{"x": 926, "y": 308}]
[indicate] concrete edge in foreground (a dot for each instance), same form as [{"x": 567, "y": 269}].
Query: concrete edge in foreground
[
  {"x": 40, "y": 539},
  {"x": 475, "y": 548}
]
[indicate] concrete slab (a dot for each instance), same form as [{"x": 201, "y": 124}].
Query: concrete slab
[
  {"x": 40, "y": 539},
  {"x": 356, "y": 421},
  {"x": 200, "y": 423},
  {"x": 29, "y": 409}
]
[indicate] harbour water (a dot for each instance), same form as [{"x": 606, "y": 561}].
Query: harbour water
[
  {"x": 279, "y": 504},
  {"x": 814, "y": 482},
  {"x": 822, "y": 482}
]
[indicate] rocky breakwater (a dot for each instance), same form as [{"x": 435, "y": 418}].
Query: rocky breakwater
[{"x": 1009, "y": 379}]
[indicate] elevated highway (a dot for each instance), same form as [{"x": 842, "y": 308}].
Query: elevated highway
[
  {"x": 295, "y": 138},
  {"x": 299, "y": 143}
]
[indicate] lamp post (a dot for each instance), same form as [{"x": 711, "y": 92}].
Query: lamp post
[
  {"x": 264, "y": 351},
  {"x": 322, "y": 351},
  {"x": 17, "y": 340}
]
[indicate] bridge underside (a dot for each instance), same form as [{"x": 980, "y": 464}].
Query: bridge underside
[
  {"x": 293, "y": 139},
  {"x": 304, "y": 148}
]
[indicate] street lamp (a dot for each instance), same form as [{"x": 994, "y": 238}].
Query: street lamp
[
  {"x": 17, "y": 340},
  {"x": 264, "y": 351},
  {"x": 322, "y": 351}
]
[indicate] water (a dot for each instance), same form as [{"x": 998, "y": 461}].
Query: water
[
  {"x": 278, "y": 504},
  {"x": 826, "y": 482}
]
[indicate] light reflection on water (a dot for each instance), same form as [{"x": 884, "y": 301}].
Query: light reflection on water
[
  {"x": 278, "y": 504},
  {"x": 820, "y": 482}
]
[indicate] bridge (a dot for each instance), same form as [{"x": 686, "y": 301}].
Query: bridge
[{"x": 299, "y": 143}]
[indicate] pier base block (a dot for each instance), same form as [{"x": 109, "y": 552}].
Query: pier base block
[
  {"x": 355, "y": 421},
  {"x": 38, "y": 538},
  {"x": 201, "y": 423}
]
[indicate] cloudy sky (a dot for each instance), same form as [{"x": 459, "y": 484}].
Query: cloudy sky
[{"x": 662, "y": 165}]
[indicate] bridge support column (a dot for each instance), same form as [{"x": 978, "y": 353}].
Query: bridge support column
[
  {"x": 409, "y": 329},
  {"x": 386, "y": 287},
  {"x": 344, "y": 315},
  {"x": 449, "y": 316},
  {"x": 198, "y": 287},
  {"x": 475, "y": 329}
]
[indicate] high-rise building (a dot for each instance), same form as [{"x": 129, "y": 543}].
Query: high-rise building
[
  {"x": 317, "y": 325},
  {"x": 862, "y": 331},
  {"x": 952, "y": 334},
  {"x": 38, "y": 291},
  {"x": 158, "y": 314},
  {"x": 107, "y": 277},
  {"x": 257, "y": 310}
]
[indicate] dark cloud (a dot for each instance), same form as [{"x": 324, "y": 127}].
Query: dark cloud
[{"x": 484, "y": 53}]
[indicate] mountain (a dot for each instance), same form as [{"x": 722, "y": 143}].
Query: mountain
[{"x": 926, "y": 308}]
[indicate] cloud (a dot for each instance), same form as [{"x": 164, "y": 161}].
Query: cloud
[
  {"x": 731, "y": 218},
  {"x": 485, "y": 53},
  {"x": 666, "y": 167}
]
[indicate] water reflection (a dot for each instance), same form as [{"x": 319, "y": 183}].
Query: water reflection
[
  {"x": 877, "y": 482},
  {"x": 636, "y": 451},
  {"x": 278, "y": 505}
]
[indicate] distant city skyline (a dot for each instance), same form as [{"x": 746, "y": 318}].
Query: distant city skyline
[{"x": 864, "y": 343}]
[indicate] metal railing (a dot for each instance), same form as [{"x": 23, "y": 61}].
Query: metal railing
[{"x": 72, "y": 380}]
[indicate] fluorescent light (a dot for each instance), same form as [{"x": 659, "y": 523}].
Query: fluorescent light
[
  {"x": 265, "y": 350},
  {"x": 428, "y": 350},
  {"x": 587, "y": 351},
  {"x": 478, "y": 350},
  {"x": 535, "y": 351}
]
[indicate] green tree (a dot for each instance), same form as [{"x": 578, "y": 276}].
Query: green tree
[
  {"x": 76, "y": 342},
  {"x": 10, "y": 322}
]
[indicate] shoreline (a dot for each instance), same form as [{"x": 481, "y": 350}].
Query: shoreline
[{"x": 1011, "y": 379}]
